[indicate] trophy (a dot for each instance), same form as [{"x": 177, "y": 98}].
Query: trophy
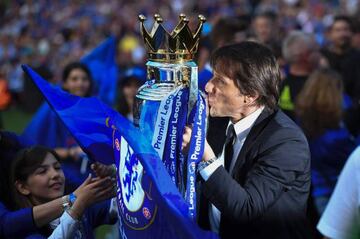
[
  {"x": 170, "y": 98},
  {"x": 170, "y": 62}
]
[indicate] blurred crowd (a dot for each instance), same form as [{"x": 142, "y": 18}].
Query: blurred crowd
[
  {"x": 316, "y": 43},
  {"x": 50, "y": 34}
]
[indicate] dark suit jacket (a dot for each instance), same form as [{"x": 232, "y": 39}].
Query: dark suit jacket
[{"x": 266, "y": 194}]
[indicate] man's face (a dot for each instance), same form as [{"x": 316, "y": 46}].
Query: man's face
[
  {"x": 262, "y": 28},
  {"x": 224, "y": 97},
  {"x": 341, "y": 34}
]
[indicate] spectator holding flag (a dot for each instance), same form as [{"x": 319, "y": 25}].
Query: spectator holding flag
[{"x": 37, "y": 178}]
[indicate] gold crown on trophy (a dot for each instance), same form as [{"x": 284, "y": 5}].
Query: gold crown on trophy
[{"x": 178, "y": 46}]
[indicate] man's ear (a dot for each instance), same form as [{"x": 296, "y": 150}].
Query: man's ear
[
  {"x": 22, "y": 188},
  {"x": 251, "y": 99}
]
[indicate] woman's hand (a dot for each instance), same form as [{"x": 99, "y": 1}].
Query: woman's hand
[
  {"x": 92, "y": 190},
  {"x": 75, "y": 152}
]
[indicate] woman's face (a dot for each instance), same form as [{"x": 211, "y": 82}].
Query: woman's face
[
  {"x": 46, "y": 183},
  {"x": 77, "y": 83}
]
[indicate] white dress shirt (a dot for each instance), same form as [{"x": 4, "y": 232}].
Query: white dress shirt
[{"x": 242, "y": 129}]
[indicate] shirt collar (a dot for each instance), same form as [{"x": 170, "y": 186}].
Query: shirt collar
[{"x": 245, "y": 124}]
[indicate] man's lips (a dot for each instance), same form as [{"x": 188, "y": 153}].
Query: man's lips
[{"x": 210, "y": 101}]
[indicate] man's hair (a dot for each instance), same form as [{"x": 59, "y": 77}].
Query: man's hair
[
  {"x": 344, "y": 18},
  {"x": 296, "y": 43},
  {"x": 254, "y": 69},
  {"x": 272, "y": 16}
]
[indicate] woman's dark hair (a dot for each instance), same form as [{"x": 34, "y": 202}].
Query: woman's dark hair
[
  {"x": 254, "y": 69},
  {"x": 25, "y": 163},
  {"x": 319, "y": 103},
  {"x": 78, "y": 65},
  {"x": 123, "y": 106}
]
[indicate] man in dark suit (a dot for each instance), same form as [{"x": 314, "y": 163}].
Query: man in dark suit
[{"x": 259, "y": 184}]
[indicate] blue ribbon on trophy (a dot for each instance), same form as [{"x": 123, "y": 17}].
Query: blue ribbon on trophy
[
  {"x": 196, "y": 150},
  {"x": 170, "y": 98},
  {"x": 176, "y": 124}
]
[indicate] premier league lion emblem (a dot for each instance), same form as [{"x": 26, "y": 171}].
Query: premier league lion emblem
[{"x": 134, "y": 196}]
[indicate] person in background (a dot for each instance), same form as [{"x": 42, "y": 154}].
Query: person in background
[
  {"x": 344, "y": 59},
  {"x": 128, "y": 87},
  {"x": 341, "y": 218},
  {"x": 341, "y": 56},
  {"x": 319, "y": 108},
  {"x": 37, "y": 178},
  {"x": 301, "y": 53},
  {"x": 265, "y": 30}
]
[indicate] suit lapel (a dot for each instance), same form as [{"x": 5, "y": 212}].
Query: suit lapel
[{"x": 257, "y": 128}]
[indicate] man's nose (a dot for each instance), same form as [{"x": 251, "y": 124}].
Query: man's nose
[{"x": 209, "y": 86}]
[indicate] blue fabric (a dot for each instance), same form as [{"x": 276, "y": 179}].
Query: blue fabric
[
  {"x": 10, "y": 222},
  {"x": 102, "y": 64},
  {"x": 92, "y": 123},
  {"x": 94, "y": 216},
  {"x": 329, "y": 153},
  {"x": 35, "y": 236},
  {"x": 46, "y": 129},
  {"x": 347, "y": 102}
]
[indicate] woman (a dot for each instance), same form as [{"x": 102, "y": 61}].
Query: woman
[
  {"x": 37, "y": 178},
  {"x": 128, "y": 88},
  {"x": 319, "y": 107}
]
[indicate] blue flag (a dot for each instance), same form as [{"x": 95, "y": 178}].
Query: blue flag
[
  {"x": 46, "y": 129},
  {"x": 102, "y": 64},
  {"x": 101, "y": 132}
]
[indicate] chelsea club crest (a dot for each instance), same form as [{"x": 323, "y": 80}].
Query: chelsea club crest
[{"x": 135, "y": 204}]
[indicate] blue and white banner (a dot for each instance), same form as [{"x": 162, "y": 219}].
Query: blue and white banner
[
  {"x": 196, "y": 150},
  {"x": 162, "y": 122}
]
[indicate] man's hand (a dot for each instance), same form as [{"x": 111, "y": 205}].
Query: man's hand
[
  {"x": 208, "y": 152},
  {"x": 186, "y": 139}
]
